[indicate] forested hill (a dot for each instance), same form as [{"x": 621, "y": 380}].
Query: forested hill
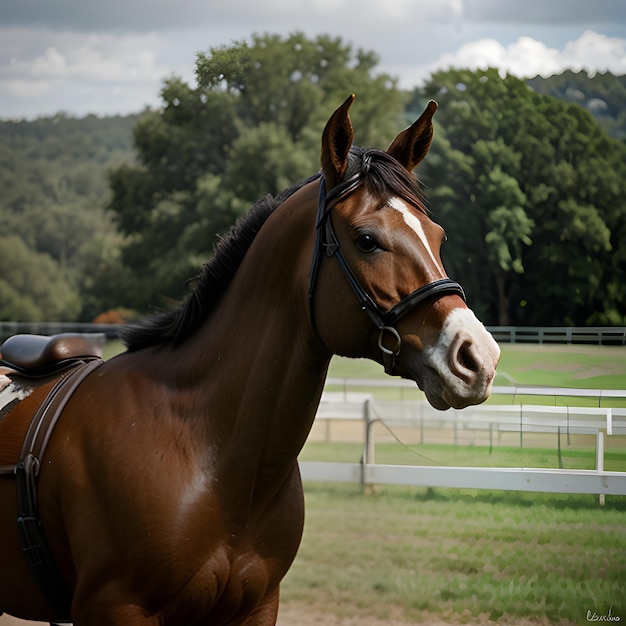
[
  {"x": 54, "y": 187},
  {"x": 65, "y": 257},
  {"x": 100, "y": 139},
  {"x": 604, "y": 95}
]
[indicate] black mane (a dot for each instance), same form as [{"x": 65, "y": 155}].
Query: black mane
[
  {"x": 382, "y": 175},
  {"x": 176, "y": 325}
]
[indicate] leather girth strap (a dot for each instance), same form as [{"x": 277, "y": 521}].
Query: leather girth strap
[{"x": 34, "y": 545}]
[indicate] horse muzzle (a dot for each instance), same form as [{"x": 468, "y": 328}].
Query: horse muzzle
[{"x": 459, "y": 368}]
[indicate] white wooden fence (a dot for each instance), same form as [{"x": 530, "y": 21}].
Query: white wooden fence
[
  {"x": 599, "y": 335},
  {"x": 492, "y": 419},
  {"x": 509, "y": 479}
]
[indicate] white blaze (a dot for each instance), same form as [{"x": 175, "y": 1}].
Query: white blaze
[{"x": 412, "y": 221}]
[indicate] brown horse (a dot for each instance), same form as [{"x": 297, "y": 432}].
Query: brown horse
[{"x": 169, "y": 491}]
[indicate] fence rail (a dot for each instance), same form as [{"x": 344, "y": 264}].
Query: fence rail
[
  {"x": 600, "y": 335},
  {"x": 517, "y": 392},
  {"x": 491, "y": 419},
  {"x": 505, "y": 478}
]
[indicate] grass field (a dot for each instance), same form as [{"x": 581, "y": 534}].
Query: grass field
[
  {"x": 556, "y": 365},
  {"x": 449, "y": 556},
  {"x": 581, "y": 457}
]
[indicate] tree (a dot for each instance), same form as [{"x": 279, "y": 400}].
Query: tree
[
  {"x": 54, "y": 184},
  {"x": 532, "y": 193},
  {"x": 32, "y": 289},
  {"x": 603, "y": 95},
  {"x": 250, "y": 126}
]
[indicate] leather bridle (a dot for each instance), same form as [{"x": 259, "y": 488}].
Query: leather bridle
[{"x": 326, "y": 242}]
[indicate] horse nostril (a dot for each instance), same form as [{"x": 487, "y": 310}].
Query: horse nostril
[
  {"x": 467, "y": 357},
  {"x": 464, "y": 359}
]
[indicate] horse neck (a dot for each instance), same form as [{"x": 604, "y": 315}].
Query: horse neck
[{"x": 256, "y": 370}]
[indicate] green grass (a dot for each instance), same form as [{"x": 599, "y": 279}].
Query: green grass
[
  {"x": 553, "y": 365},
  {"x": 469, "y": 456},
  {"x": 458, "y": 556},
  {"x": 568, "y": 366},
  {"x": 576, "y": 366}
]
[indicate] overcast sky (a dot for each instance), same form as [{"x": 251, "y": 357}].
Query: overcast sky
[{"x": 82, "y": 57}]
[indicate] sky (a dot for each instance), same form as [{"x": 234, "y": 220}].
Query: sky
[{"x": 83, "y": 57}]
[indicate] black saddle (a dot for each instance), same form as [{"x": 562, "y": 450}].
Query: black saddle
[{"x": 36, "y": 355}]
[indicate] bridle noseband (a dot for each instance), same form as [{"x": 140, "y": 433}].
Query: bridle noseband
[{"x": 326, "y": 242}]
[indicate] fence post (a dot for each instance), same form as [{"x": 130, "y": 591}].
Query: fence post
[
  {"x": 600, "y": 458},
  {"x": 369, "y": 448}
]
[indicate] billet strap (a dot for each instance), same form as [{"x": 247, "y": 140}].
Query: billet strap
[
  {"x": 36, "y": 550},
  {"x": 49, "y": 411}
]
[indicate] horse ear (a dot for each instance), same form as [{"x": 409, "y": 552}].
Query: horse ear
[
  {"x": 413, "y": 143},
  {"x": 336, "y": 143}
]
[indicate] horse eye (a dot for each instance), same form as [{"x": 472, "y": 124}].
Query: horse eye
[{"x": 366, "y": 243}]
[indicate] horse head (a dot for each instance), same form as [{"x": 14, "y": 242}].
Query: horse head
[{"x": 371, "y": 218}]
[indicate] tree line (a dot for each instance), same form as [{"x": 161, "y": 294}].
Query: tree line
[
  {"x": 528, "y": 179},
  {"x": 56, "y": 233}
]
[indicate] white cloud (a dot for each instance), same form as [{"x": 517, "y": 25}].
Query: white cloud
[
  {"x": 112, "y": 58},
  {"x": 104, "y": 57},
  {"x": 528, "y": 57},
  {"x": 71, "y": 71},
  {"x": 25, "y": 88},
  {"x": 597, "y": 53}
]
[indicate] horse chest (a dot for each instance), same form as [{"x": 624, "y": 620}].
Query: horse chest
[
  {"x": 211, "y": 567},
  {"x": 227, "y": 587},
  {"x": 248, "y": 567}
]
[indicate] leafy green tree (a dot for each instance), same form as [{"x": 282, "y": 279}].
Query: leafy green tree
[
  {"x": 603, "y": 95},
  {"x": 532, "y": 193},
  {"x": 53, "y": 177},
  {"x": 32, "y": 288},
  {"x": 250, "y": 126}
]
